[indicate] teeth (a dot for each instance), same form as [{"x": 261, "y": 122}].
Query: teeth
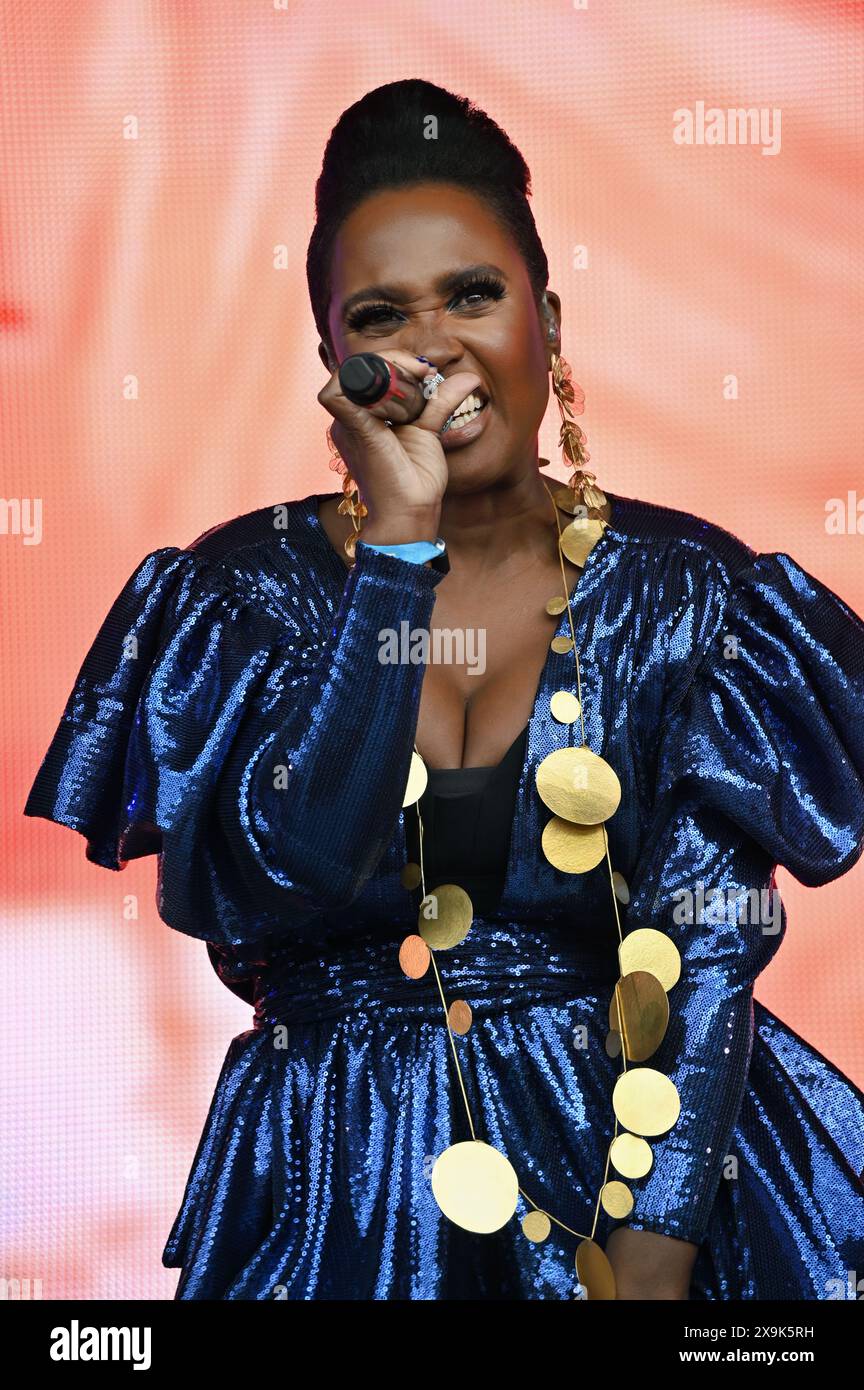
[
  {"x": 460, "y": 421},
  {"x": 470, "y": 403},
  {"x": 466, "y": 412}
]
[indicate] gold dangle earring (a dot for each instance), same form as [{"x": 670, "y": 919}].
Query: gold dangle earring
[
  {"x": 352, "y": 503},
  {"x": 580, "y": 497}
]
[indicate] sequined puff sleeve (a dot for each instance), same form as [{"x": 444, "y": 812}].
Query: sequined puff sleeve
[
  {"x": 761, "y": 763},
  {"x": 267, "y": 774}
]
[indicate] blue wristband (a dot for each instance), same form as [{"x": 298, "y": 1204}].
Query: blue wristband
[{"x": 416, "y": 552}]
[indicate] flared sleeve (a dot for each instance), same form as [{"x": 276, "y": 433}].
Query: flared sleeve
[
  {"x": 761, "y": 762},
  {"x": 265, "y": 767}
]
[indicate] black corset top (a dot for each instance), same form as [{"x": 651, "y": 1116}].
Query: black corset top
[{"x": 467, "y": 818}]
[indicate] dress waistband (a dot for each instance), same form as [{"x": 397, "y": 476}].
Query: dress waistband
[{"x": 498, "y": 967}]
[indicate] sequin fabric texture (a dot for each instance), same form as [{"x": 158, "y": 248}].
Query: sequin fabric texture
[{"x": 255, "y": 743}]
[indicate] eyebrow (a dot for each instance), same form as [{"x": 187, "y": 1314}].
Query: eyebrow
[{"x": 399, "y": 294}]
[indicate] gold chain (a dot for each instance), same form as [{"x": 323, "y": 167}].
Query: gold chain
[{"x": 653, "y": 963}]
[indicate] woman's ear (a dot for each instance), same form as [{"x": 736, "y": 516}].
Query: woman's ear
[
  {"x": 551, "y": 307},
  {"x": 324, "y": 354}
]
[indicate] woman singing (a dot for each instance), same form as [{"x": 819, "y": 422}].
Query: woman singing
[{"x": 500, "y": 914}]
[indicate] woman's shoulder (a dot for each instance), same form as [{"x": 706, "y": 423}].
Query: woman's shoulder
[
  {"x": 294, "y": 523},
  {"x": 276, "y": 560},
  {"x": 710, "y": 560},
  {"x": 681, "y": 533},
  {"x": 266, "y": 569}
]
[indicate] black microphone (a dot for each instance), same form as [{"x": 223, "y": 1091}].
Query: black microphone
[{"x": 370, "y": 380}]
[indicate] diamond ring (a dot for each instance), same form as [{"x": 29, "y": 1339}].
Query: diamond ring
[{"x": 431, "y": 384}]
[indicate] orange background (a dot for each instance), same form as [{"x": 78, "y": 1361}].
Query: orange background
[{"x": 158, "y": 168}]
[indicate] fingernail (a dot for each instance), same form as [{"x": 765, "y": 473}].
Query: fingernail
[{"x": 426, "y": 360}]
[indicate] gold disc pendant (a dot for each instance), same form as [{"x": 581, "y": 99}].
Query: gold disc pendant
[
  {"x": 536, "y": 1226},
  {"x": 639, "y": 1011},
  {"x": 645, "y": 948},
  {"x": 616, "y": 1199},
  {"x": 579, "y": 538},
  {"x": 417, "y": 779},
  {"x": 645, "y": 1101},
  {"x": 594, "y": 1271},
  {"x": 578, "y": 785},
  {"x": 620, "y": 887},
  {"x": 411, "y": 876},
  {"x": 475, "y": 1186},
  {"x": 631, "y": 1155},
  {"x": 574, "y": 849},
  {"x": 565, "y": 707},
  {"x": 566, "y": 501},
  {"x": 459, "y": 1017},
  {"x": 445, "y": 917},
  {"x": 414, "y": 957}
]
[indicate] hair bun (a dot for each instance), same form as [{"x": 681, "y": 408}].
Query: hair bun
[{"x": 410, "y": 132}]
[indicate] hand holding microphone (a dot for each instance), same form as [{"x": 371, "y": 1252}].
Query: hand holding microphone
[
  {"x": 401, "y": 469},
  {"x": 385, "y": 389}
]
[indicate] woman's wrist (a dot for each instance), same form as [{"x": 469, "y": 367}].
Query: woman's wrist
[
  {"x": 402, "y": 530},
  {"x": 648, "y": 1265}
]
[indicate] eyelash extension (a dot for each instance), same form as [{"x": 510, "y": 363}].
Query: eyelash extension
[{"x": 490, "y": 285}]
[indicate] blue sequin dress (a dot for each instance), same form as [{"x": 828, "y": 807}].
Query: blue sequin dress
[{"x": 232, "y": 717}]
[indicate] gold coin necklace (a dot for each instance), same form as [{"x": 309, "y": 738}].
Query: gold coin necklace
[{"x": 473, "y": 1182}]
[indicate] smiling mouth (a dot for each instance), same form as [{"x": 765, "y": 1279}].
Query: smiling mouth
[{"x": 472, "y": 406}]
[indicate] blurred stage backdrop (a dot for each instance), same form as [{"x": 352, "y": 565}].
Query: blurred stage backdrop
[{"x": 158, "y": 168}]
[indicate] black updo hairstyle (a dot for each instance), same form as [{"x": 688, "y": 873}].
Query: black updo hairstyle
[{"x": 379, "y": 143}]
